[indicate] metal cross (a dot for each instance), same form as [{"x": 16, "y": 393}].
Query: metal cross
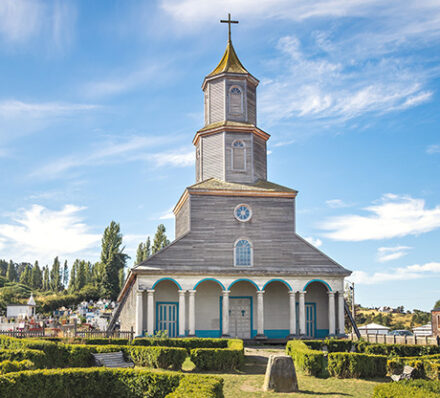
[{"x": 228, "y": 21}]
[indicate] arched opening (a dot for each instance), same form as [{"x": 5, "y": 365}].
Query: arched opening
[
  {"x": 316, "y": 311},
  {"x": 235, "y": 101},
  {"x": 242, "y": 309},
  {"x": 207, "y": 308},
  {"x": 238, "y": 155},
  {"x": 166, "y": 304},
  {"x": 276, "y": 310}
]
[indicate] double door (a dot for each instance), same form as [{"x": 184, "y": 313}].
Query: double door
[
  {"x": 167, "y": 317},
  {"x": 310, "y": 313},
  {"x": 240, "y": 317}
]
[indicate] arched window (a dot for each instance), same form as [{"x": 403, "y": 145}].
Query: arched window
[
  {"x": 238, "y": 155},
  {"x": 243, "y": 253},
  {"x": 235, "y": 101}
]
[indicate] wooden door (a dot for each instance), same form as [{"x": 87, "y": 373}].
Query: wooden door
[
  {"x": 167, "y": 318},
  {"x": 240, "y": 318}
]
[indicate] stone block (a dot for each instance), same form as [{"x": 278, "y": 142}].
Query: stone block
[{"x": 280, "y": 374}]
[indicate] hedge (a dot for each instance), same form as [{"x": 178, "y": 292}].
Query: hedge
[
  {"x": 188, "y": 343},
  {"x": 15, "y": 366},
  {"x": 198, "y": 387},
  {"x": 36, "y": 356},
  {"x": 352, "y": 365},
  {"x": 333, "y": 345},
  {"x": 397, "y": 350},
  {"x": 426, "y": 366},
  {"x": 311, "y": 362},
  {"x": 408, "y": 389},
  {"x": 230, "y": 358}
]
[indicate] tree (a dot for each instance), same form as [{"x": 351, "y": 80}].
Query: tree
[
  {"x": 160, "y": 239},
  {"x": 65, "y": 275},
  {"x": 37, "y": 279},
  {"x": 3, "y": 267},
  {"x": 113, "y": 260},
  {"x": 437, "y": 304},
  {"x": 46, "y": 280},
  {"x": 143, "y": 251},
  {"x": 26, "y": 276},
  {"x": 72, "y": 280},
  {"x": 81, "y": 275},
  {"x": 55, "y": 275},
  {"x": 11, "y": 274}
]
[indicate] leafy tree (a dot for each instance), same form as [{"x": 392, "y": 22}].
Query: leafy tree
[
  {"x": 143, "y": 251},
  {"x": 72, "y": 280},
  {"x": 26, "y": 276},
  {"x": 147, "y": 249},
  {"x": 81, "y": 275},
  {"x": 11, "y": 274},
  {"x": 113, "y": 260},
  {"x": 55, "y": 275},
  {"x": 46, "y": 280},
  {"x": 3, "y": 267},
  {"x": 37, "y": 278},
  {"x": 65, "y": 275},
  {"x": 160, "y": 239},
  {"x": 437, "y": 304}
]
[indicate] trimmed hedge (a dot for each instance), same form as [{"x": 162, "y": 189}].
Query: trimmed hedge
[
  {"x": 426, "y": 366},
  {"x": 333, "y": 345},
  {"x": 105, "y": 382},
  {"x": 188, "y": 343},
  {"x": 15, "y": 366},
  {"x": 311, "y": 362},
  {"x": 397, "y": 350},
  {"x": 230, "y": 358},
  {"x": 408, "y": 389},
  {"x": 198, "y": 387},
  {"x": 351, "y": 365},
  {"x": 157, "y": 357},
  {"x": 36, "y": 356},
  {"x": 99, "y": 341}
]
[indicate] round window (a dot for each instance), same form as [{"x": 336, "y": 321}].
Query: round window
[{"x": 242, "y": 212}]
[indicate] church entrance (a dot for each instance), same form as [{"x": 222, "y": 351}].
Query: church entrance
[
  {"x": 310, "y": 319},
  {"x": 167, "y": 316},
  {"x": 240, "y": 317}
]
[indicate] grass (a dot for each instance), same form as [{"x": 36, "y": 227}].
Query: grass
[{"x": 248, "y": 382}]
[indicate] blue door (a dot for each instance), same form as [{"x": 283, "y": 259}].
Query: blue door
[
  {"x": 167, "y": 318},
  {"x": 310, "y": 319}
]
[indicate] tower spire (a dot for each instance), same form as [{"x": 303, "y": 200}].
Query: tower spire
[{"x": 229, "y": 21}]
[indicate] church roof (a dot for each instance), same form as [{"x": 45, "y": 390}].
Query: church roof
[
  {"x": 229, "y": 62},
  {"x": 212, "y": 184}
]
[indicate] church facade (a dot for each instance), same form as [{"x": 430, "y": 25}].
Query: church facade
[{"x": 237, "y": 266}]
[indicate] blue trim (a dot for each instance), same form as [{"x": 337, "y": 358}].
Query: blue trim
[
  {"x": 277, "y": 280},
  {"x": 167, "y": 279},
  {"x": 208, "y": 333},
  {"x": 318, "y": 280},
  {"x": 177, "y": 315},
  {"x": 320, "y": 333},
  {"x": 241, "y": 280},
  {"x": 252, "y": 313},
  {"x": 314, "y": 321},
  {"x": 209, "y": 279},
  {"x": 276, "y": 333}
]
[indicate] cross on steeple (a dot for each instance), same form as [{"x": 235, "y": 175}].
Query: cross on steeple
[{"x": 228, "y": 21}]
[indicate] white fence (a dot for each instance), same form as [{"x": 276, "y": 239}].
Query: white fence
[{"x": 386, "y": 339}]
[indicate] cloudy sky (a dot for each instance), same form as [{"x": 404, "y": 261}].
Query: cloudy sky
[{"x": 99, "y": 103}]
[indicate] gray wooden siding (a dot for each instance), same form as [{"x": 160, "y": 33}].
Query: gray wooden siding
[
  {"x": 242, "y": 85},
  {"x": 260, "y": 158},
  {"x": 183, "y": 219},
  {"x": 235, "y": 175},
  {"x": 127, "y": 315},
  {"x": 271, "y": 230},
  {"x": 212, "y": 156},
  {"x": 252, "y": 104},
  {"x": 216, "y": 98}
]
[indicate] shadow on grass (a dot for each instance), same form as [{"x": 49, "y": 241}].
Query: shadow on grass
[{"x": 318, "y": 394}]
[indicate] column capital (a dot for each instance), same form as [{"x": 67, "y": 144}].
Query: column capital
[
  {"x": 260, "y": 292},
  {"x": 182, "y": 292},
  {"x": 341, "y": 292},
  {"x": 330, "y": 293},
  {"x": 150, "y": 291},
  {"x": 302, "y": 292},
  {"x": 192, "y": 292},
  {"x": 292, "y": 293},
  {"x": 226, "y": 292},
  {"x": 139, "y": 292}
]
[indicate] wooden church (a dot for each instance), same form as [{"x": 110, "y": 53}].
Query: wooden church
[{"x": 237, "y": 266}]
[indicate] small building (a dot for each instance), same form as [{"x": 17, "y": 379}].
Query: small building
[
  {"x": 21, "y": 310},
  {"x": 435, "y": 321},
  {"x": 373, "y": 328},
  {"x": 423, "y": 331}
]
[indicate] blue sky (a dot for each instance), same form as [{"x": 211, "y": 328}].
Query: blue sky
[{"x": 99, "y": 103}]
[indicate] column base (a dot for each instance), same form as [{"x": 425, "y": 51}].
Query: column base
[
  {"x": 226, "y": 336},
  {"x": 260, "y": 337}
]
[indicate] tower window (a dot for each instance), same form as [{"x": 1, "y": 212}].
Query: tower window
[
  {"x": 243, "y": 253},
  {"x": 235, "y": 101},
  {"x": 238, "y": 155}
]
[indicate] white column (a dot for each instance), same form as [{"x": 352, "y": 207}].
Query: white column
[
  {"x": 260, "y": 309},
  {"x": 225, "y": 313},
  {"x": 292, "y": 306},
  {"x": 150, "y": 312},
  {"x": 341, "y": 310},
  {"x": 139, "y": 313},
  {"x": 331, "y": 313},
  {"x": 192, "y": 313},
  {"x": 182, "y": 313},
  {"x": 302, "y": 312}
]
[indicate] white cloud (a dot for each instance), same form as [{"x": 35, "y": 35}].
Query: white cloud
[
  {"x": 432, "y": 149},
  {"x": 393, "y": 216},
  {"x": 336, "y": 203},
  {"x": 181, "y": 158},
  {"x": 168, "y": 215},
  {"x": 385, "y": 254},
  {"x": 38, "y": 233},
  {"x": 410, "y": 272},
  {"x": 314, "y": 241}
]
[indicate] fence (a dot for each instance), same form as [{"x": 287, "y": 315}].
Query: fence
[
  {"x": 386, "y": 339},
  {"x": 23, "y": 334}
]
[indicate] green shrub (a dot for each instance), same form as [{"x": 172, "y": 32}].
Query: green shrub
[
  {"x": 15, "y": 366},
  {"x": 188, "y": 343},
  {"x": 332, "y": 344},
  {"x": 408, "y": 389},
  {"x": 311, "y": 362},
  {"x": 217, "y": 358},
  {"x": 395, "y": 366},
  {"x": 157, "y": 357},
  {"x": 432, "y": 370},
  {"x": 99, "y": 341},
  {"x": 36, "y": 356},
  {"x": 398, "y": 350},
  {"x": 198, "y": 387},
  {"x": 352, "y": 365}
]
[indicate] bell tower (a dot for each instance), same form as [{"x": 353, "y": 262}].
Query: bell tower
[{"x": 230, "y": 147}]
